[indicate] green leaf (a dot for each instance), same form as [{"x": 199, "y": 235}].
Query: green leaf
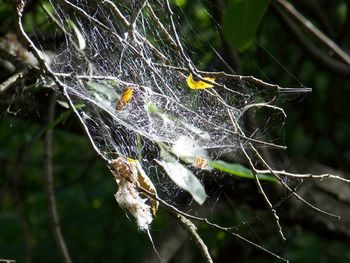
[
  {"x": 183, "y": 177},
  {"x": 238, "y": 170},
  {"x": 62, "y": 103},
  {"x": 79, "y": 35},
  {"x": 241, "y": 21}
]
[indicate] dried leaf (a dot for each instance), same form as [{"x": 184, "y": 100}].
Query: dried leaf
[
  {"x": 130, "y": 176},
  {"x": 122, "y": 169},
  {"x": 200, "y": 84},
  {"x": 146, "y": 183}
]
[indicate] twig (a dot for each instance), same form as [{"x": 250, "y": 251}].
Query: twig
[
  {"x": 287, "y": 187},
  {"x": 133, "y": 19},
  {"x": 306, "y": 176},
  {"x": 292, "y": 191},
  {"x": 161, "y": 27},
  {"x": 116, "y": 12},
  {"x": 192, "y": 231},
  {"x": 47, "y": 70},
  {"x": 262, "y": 192},
  {"x": 14, "y": 79},
  {"x": 228, "y": 230},
  {"x": 287, "y": 7},
  {"x": 256, "y": 81},
  {"x": 250, "y": 79},
  {"x": 62, "y": 28},
  {"x": 318, "y": 55},
  {"x": 132, "y": 30},
  {"x": 177, "y": 39},
  {"x": 48, "y": 172},
  {"x": 191, "y": 67},
  {"x": 263, "y": 105}
]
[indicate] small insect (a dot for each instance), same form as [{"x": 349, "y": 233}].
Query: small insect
[
  {"x": 125, "y": 98},
  {"x": 200, "y": 163}
]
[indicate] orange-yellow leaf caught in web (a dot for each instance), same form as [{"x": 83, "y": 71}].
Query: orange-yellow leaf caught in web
[
  {"x": 200, "y": 84},
  {"x": 125, "y": 98}
]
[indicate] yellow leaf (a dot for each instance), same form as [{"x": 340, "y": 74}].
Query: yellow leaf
[{"x": 193, "y": 84}]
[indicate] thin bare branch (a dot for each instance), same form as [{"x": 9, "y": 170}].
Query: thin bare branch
[
  {"x": 139, "y": 5},
  {"x": 306, "y": 176},
  {"x": 288, "y": 8},
  {"x": 13, "y": 80},
  {"x": 132, "y": 29},
  {"x": 161, "y": 27},
  {"x": 250, "y": 79},
  {"x": 192, "y": 231},
  {"x": 170, "y": 13},
  {"x": 47, "y": 70},
  {"x": 287, "y": 187},
  {"x": 49, "y": 187},
  {"x": 228, "y": 230},
  {"x": 314, "y": 51},
  {"x": 262, "y": 192},
  {"x": 116, "y": 12}
]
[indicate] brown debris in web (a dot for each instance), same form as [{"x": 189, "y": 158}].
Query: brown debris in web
[{"x": 130, "y": 176}]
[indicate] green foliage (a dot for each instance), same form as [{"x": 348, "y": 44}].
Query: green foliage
[
  {"x": 238, "y": 170},
  {"x": 96, "y": 229},
  {"x": 241, "y": 21},
  {"x": 90, "y": 217},
  {"x": 6, "y": 16}
]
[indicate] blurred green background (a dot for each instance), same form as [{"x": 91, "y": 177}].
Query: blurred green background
[{"x": 95, "y": 228}]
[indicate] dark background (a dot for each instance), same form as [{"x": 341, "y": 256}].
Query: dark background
[{"x": 316, "y": 133}]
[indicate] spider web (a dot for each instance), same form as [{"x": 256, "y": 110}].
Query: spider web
[
  {"x": 110, "y": 47},
  {"x": 163, "y": 107}
]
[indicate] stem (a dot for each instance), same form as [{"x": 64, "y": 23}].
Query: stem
[{"x": 50, "y": 192}]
